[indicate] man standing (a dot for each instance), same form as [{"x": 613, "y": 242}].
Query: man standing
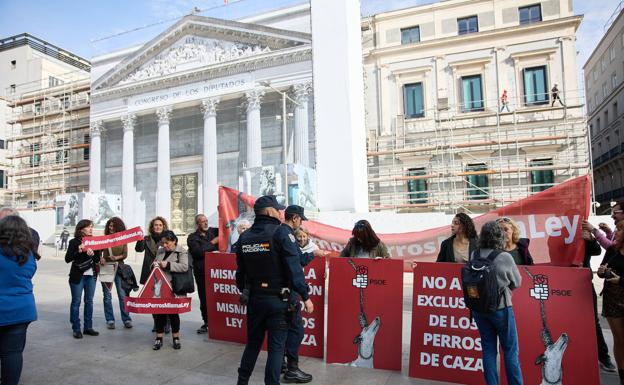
[
  {"x": 204, "y": 239},
  {"x": 293, "y": 216},
  {"x": 555, "y": 96},
  {"x": 64, "y": 238},
  {"x": 268, "y": 268}
]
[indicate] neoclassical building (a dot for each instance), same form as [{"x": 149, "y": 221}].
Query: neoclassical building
[{"x": 198, "y": 106}]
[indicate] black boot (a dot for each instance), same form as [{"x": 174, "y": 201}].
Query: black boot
[
  {"x": 242, "y": 381},
  {"x": 295, "y": 375},
  {"x": 621, "y": 373}
]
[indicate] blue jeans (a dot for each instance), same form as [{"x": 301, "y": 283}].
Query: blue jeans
[
  {"x": 502, "y": 325},
  {"x": 12, "y": 342},
  {"x": 108, "y": 301},
  {"x": 86, "y": 284},
  {"x": 265, "y": 313}
]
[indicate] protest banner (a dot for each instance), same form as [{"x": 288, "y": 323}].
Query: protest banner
[
  {"x": 551, "y": 219},
  {"x": 554, "y": 315},
  {"x": 365, "y": 312},
  {"x": 227, "y": 317},
  {"x": 157, "y": 297},
  {"x": 117, "y": 239}
]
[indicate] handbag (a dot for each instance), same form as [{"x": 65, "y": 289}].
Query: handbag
[
  {"x": 183, "y": 283},
  {"x": 84, "y": 265}
]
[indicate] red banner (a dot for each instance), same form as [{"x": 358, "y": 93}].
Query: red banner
[
  {"x": 365, "y": 313},
  {"x": 157, "y": 297},
  {"x": 554, "y": 316},
  {"x": 551, "y": 219},
  {"x": 117, "y": 239},
  {"x": 227, "y": 318}
]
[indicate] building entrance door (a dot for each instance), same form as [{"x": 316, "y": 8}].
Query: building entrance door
[{"x": 183, "y": 203}]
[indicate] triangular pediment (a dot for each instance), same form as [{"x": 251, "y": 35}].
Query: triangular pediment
[{"x": 198, "y": 42}]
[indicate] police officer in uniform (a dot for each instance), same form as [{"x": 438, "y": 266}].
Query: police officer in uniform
[
  {"x": 293, "y": 217},
  {"x": 268, "y": 268}
]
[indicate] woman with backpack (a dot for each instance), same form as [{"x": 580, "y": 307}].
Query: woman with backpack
[
  {"x": 115, "y": 257},
  {"x": 82, "y": 278},
  {"x": 499, "y": 324},
  {"x": 461, "y": 243}
]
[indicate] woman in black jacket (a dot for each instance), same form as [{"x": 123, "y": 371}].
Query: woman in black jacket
[
  {"x": 82, "y": 278},
  {"x": 459, "y": 246},
  {"x": 516, "y": 246}
]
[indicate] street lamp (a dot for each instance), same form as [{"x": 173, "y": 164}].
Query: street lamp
[{"x": 284, "y": 133}]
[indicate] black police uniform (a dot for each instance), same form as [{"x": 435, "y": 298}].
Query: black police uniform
[{"x": 268, "y": 260}]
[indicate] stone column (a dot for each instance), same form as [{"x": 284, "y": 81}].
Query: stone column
[
  {"x": 127, "y": 169},
  {"x": 95, "y": 156},
  {"x": 254, "y": 135},
  {"x": 302, "y": 146},
  {"x": 163, "y": 179},
  {"x": 209, "y": 173}
]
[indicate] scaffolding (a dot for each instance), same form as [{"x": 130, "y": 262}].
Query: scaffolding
[
  {"x": 476, "y": 160},
  {"x": 48, "y": 142}
]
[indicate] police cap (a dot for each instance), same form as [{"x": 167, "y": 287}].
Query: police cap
[
  {"x": 294, "y": 209},
  {"x": 267, "y": 201}
]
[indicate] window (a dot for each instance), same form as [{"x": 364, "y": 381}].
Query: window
[
  {"x": 604, "y": 90},
  {"x": 13, "y": 64},
  {"x": 591, "y": 129},
  {"x": 606, "y": 118},
  {"x": 417, "y": 187},
  {"x": 472, "y": 93},
  {"x": 603, "y": 63},
  {"x": 595, "y": 74},
  {"x": 2, "y": 144},
  {"x": 614, "y": 82},
  {"x": 85, "y": 153},
  {"x": 611, "y": 53},
  {"x": 64, "y": 102},
  {"x": 62, "y": 155},
  {"x": 2, "y": 179},
  {"x": 413, "y": 100},
  {"x": 477, "y": 182},
  {"x": 467, "y": 25},
  {"x": 535, "y": 86},
  {"x": 541, "y": 179},
  {"x": 530, "y": 14},
  {"x": 596, "y": 101},
  {"x": 615, "y": 111},
  {"x": 53, "y": 82},
  {"x": 410, "y": 35},
  {"x": 12, "y": 90},
  {"x": 35, "y": 159},
  {"x": 37, "y": 108},
  {"x": 598, "y": 124}
]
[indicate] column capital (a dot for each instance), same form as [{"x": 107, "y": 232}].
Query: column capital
[
  {"x": 164, "y": 114},
  {"x": 128, "y": 122},
  {"x": 209, "y": 107},
  {"x": 302, "y": 92},
  {"x": 254, "y": 98},
  {"x": 96, "y": 128}
]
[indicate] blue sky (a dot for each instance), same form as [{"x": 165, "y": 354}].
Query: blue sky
[{"x": 76, "y": 25}]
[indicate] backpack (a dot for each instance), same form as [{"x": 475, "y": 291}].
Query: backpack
[{"x": 481, "y": 291}]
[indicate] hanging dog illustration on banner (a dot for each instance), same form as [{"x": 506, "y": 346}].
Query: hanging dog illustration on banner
[
  {"x": 550, "y": 360},
  {"x": 157, "y": 297},
  {"x": 366, "y": 339}
]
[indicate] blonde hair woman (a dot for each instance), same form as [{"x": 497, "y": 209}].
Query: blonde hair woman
[{"x": 514, "y": 245}]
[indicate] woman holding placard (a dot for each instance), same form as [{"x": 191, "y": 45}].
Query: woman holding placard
[{"x": 364, "y": 243}]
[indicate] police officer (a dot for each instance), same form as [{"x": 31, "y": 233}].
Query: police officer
[
  {"x": 268, "y": 268},
  {"x": 293, "y": 216}
]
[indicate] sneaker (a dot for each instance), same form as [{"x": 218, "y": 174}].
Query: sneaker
[
  {"x": 176, "y": 343},
  {"x": 91, "y": 332},
  {"x": 607, "y": 365},
  {"x": 77, "y": 334},
  {"x": 110, "y": 325},
  {"x": 297, "y": 376},
  {"x": 202, "y": 329},
  {"x": 128, "y": 324}
]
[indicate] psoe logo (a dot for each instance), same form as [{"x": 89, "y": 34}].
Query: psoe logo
[
  {"x": 540, "y": 290},
  {"x": 361, "y": 277}
]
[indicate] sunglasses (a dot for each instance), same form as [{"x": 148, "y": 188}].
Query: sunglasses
[{"x": 503, "y": 219}]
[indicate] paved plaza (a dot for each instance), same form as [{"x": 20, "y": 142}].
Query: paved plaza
[{"x": 125, "y": 356}]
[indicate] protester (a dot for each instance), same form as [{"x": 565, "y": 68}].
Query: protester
[
  {"x": 514, "y": 245},
  {"x": 205, "y": 239},
  {"x": 501, "y": 324},
  {"x": 170, "y": 258},
  {"x": 607, "y": 230},
  {"x": 461, "y": 243},
  {"x": 612, "y": 270},
  {"x": 17, "y": 302},
  {"x": 242, "y": 226},
  {"x": 364, "y": 243},
  {"x": 593, "y": 248},
  {"x": 303, "y": 240},
  {"x": 149, "y": 245},
  {"x": 82, "y": 277},
  {"x": 116, "y": 256},
  {"x": 6, "y": 211},
  {"x": 617, "y": 214}
]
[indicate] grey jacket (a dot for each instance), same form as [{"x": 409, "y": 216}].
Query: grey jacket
[
  {"x": 507, "y": 274},
  {"x": 178, "y": 260}
]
